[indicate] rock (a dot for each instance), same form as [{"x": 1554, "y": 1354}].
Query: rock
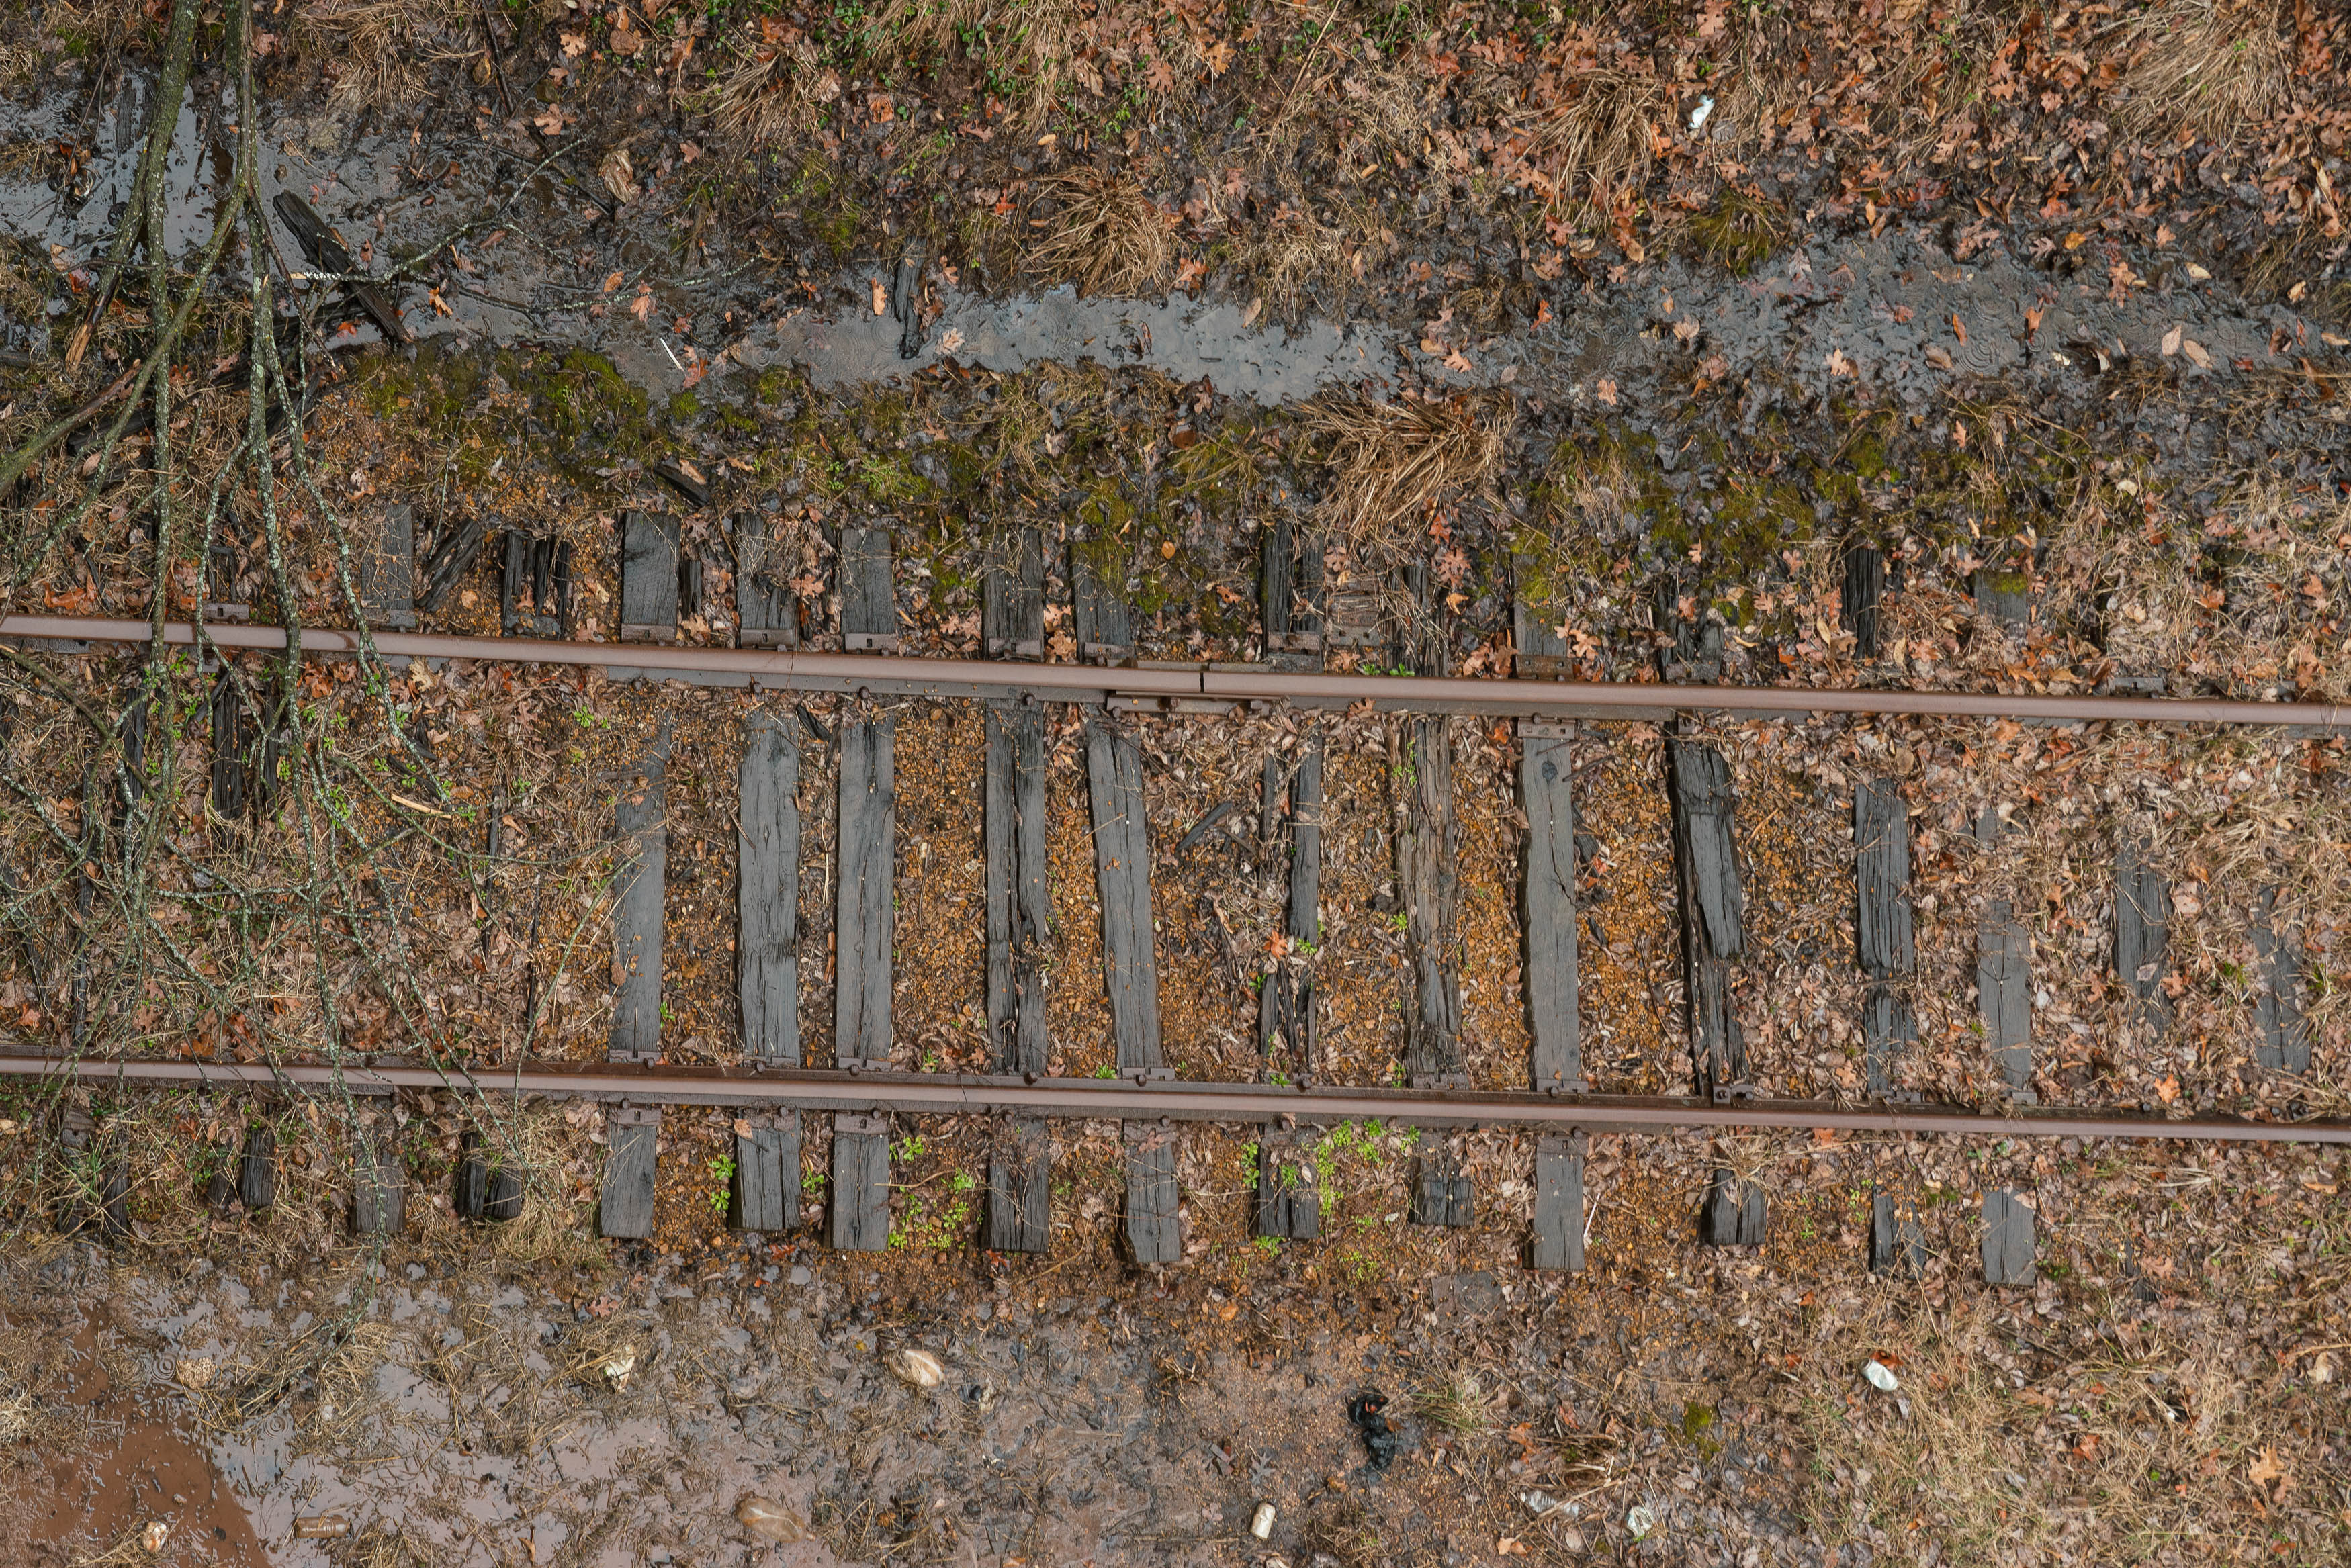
[
  {"x": 769, "y": 1519},
  {"x": 151, "y": 1539},
  {"x": 194, "y": 1373},
  {"x": 916, "y": 1368}
]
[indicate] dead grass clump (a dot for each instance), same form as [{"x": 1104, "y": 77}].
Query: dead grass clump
[
  {"x": 376, "y": 52},
  {"x": 1105, "y": 235},
  {"x": 1298, "y": 255},
  {"x": 773, "y": 89},
  {"x": 1739, "y": 231},
  {"x": 1391, "y": 461},
  {"x": 1600, "y": 137},
  {"x": 2202, "y": 70},
  {"x": 1458, "y": 1402}
]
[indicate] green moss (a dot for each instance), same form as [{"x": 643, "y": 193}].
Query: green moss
[
  {"x": 684, "y": 407},
  {"x": 1738, "y": 233}
]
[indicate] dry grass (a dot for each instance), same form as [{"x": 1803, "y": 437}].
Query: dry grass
[
  {"x": 2206, "y": 70},
  {"x": 774, "y": 88},
  {"x": 1390, "y": 463},
  {"x": 1298, "y": 258},
  {"x": 1103, "y": 232},
  {"x": 1598, "y": 138},
  {"x": 376, "y": 52}
]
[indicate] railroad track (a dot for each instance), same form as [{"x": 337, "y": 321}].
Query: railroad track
[{"x": 776, "y": 1091}]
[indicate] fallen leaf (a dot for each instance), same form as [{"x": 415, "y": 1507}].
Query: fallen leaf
[
  {"x": 2199, "y": 274},
  {"x": 2268, "y": 1471},
  {"x": 880, "y": 297},
  {"x": 1512, "y": 1546},
  {"x": 574, "y": 45},
  {"x": 2168, "y": 1090},
  {"x": 2171, "y": 343},
  {"x": 1605, "y": 391},
  {"x": 1960, "y": 330},
  {"x": 642, "y": 307},
  {"x": 2195, "y": 352},
  {"x": 611, "y": 282},
  {"x": 618, "y": 175}
]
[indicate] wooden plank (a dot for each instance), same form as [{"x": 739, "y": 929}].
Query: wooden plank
[
  {"x": 865, "y": 915},
  {"x": 1289, "y": 1205},
  {"x": 1291, "y": 831},
  {"x": 1428, "y": 848},
  {"x": 1534, "y": 637},
  {"x": 456, "y": 546},
  {"x": 640, "y": 823},
  {"x": 1019, "y": 904},
  {"x": 869, "y": 607},
  {"x": 1864, "y": 586},
  {"x": 2284, "y": 1043},
  {"x": 1887, "y": 1029},
  {"x": 1012, "y": 598},
  {"x": 1104, "y": 621},
  {"x": 1019, "y": 1190},
  {"x": 1559, "y": 1203},
  {"x": 625, "y": 1210},
  {"x": 1713, "y": 913},
  {"x": 1546, "y": 795},
  {"x": 2142, "y": 933},
  {"x": 649, "y": 558},
  {"x": 1154, "y": 1232},
  {"x": 234, "y": 735},
  {"x": 1290, "y": 596},
  {"x": 2004, "y": 995},
  {"x": 487, "y": 1190},
  {"x": 1123, "y": 878},
  {"x": 1896, "y": 1245},
  {"x": 2008, "y": 1237},
  {"x": 861, "y": 1183},
  {"x": 767, "y": 887},
  {"x": 388, "y": 572},
  {"x": 256, "y": 1176},
  {"x": 767, "y": 613},
  {"x": 1441, "y": 1194},
  {"x": 1881, "y": 843},
  {"x": 767, "y": 1195},
  {"x": 1733, "y": 1214},
  {"x": 535, "y": 588}
]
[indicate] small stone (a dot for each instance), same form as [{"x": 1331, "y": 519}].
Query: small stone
[
  {"x": 194, "y": 1373},
  {"x": 769, "y": 1519},
  {"x": 917, "y": 1368},
  {"x": 801, "y": 1275},
  {"x": 151, "y": 1539}
]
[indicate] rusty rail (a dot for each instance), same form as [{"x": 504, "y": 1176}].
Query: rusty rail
[
  {"x": 1148, "y": 685},
  {"x": 1123, "y": 1099}
]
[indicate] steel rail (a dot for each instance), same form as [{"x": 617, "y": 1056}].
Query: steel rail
[
  {"x": 1145, "y": 684},
  {"x": 1128, "y": 1100}
]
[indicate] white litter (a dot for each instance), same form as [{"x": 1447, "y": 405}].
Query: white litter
[
  {"x": 1880, "y": 1378},
  {"x": 1698, "y": 115}
]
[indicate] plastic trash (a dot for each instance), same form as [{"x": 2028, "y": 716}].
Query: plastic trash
[
  {"x": 917, "y": 1368},
  {"x": 1641, "y": 1519},
  {"x": 1368, "y": 1411},
  {"x": 1261, "y": 1521},
  {"x": 769, "y": 1519},
  {"x": 1880, "y": 1378}
]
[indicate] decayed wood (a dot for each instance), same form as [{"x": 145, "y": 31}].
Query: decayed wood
[
  {"x": 1559, "y": 1203},
  {"x": 1012, "y": 598},
  {"x": 1019, "y": 1190},
  {"x": 487, "y": 1190},
  {"x": 537, "y": 574},
  {"x": 641, "y": 822},
  {"x": 649, "y": 558},
  {"x": 388, "y": 572},
  {"x": 865, "y": 917},
  {"x": 2284, "y": 1045},
  {"x": 1881, "y": 844},
  {"x": 1865, "y": 585},
  {"x": 1540, "y": 652},
  {"x": 1104, "y": 622},
  {"x": 767, "y": 1195},
  {"x": 1887, "y": 1029},
  {"x": 1713, "y": 909},
  {"x": 1428, "y": 849},
  {"x": 1293, "y": 813},
  {"x": 100, "y": 1195},
  {"x": 1732, "y": 1213},
  {"x": 2142, "y": 931},
  {"x": 625, "y": 1207},
  {"x": 1154, "y": 1232},
  {"x": 2004, "y": 995},
  {"x": 1546, "y": 778},
  {"x": 2008, "y": 1237},
  {"x": 1123, "y": 878},
  {"x": 765, "y": 613},
  {"x": 326, "y": 252},
  {"x": 1020, "y": 906},
  {"x": 767, "y": 887},
  {"x": 454, "y": 549},
  {"x": 378, "y": 1183},
  {"x": 869, "y": 606},
  {"x": 2004, "y": 597},
  {"x": 1289, "y": 1205},
  {"x": 1290, "y": 596},
  {"x": 1441, "y": 1193},
  {"x": 1896, "y": 1245},
  {"x": 257, "y": 1178},
  {"x": 861, "y": 1183}
]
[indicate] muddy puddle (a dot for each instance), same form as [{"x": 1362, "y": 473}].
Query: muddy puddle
[{"x": 522, "y": 247}]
